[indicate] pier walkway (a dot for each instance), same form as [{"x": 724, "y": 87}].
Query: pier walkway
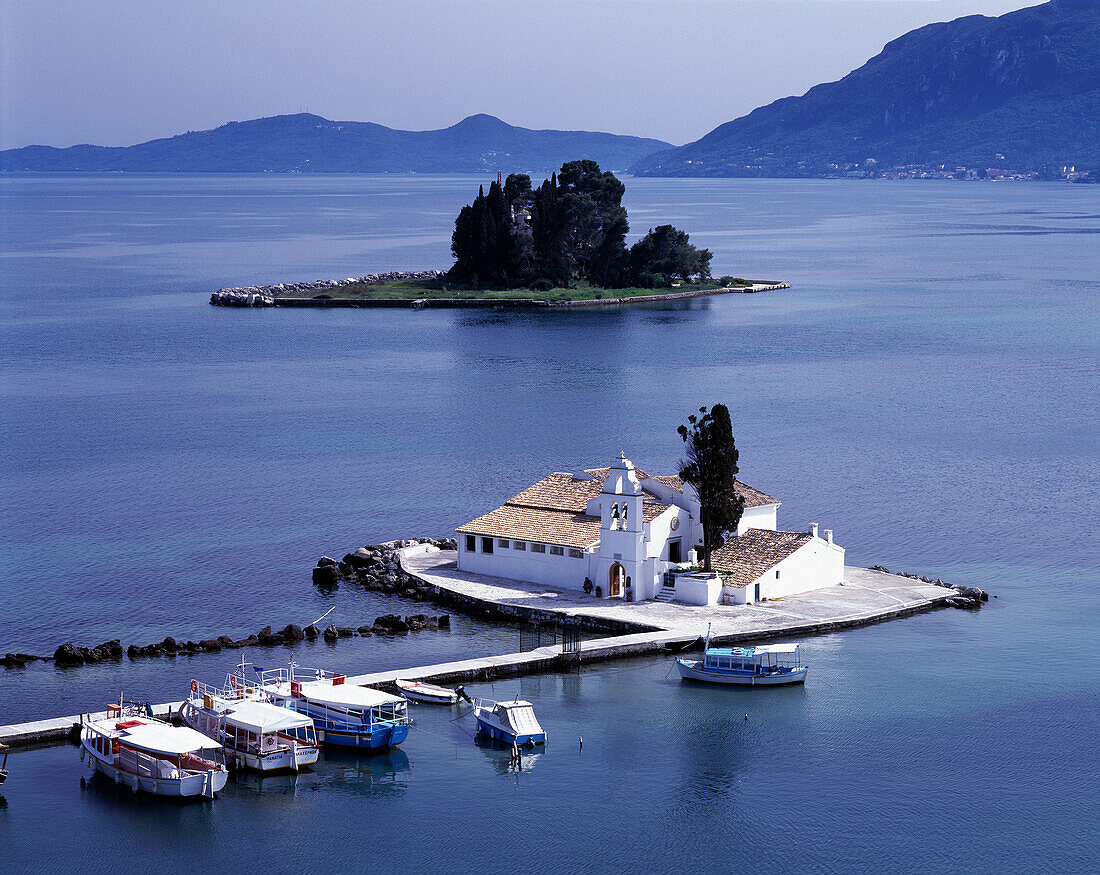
[{"x": 650, "y": 627}]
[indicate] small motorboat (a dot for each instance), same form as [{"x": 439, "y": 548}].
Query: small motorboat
[
  {"x": 418, "y": 691},
  {"x": 255, "y": 733},
  {"x": 3, "y": 763},
  {"x": 768, "y": 665},
  {"x": 151, "y": 756},
  {"x": 509, "y": 722}
]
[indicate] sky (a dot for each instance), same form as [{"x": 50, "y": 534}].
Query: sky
[{"x": 117, "y": 72}]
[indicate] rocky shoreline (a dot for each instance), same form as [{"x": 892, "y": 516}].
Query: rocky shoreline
[
  {"x": 264, "y": 296},
  {"x": 968, "y": 596}
]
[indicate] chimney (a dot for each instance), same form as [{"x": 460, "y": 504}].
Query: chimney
[
  {"x": 829, "y": 535},
  {"x": 813, "y": 529}
]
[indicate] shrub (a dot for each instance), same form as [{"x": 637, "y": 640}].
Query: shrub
[
  {"x": 649, "y": 280},
  {"x": 542, "y": 285}
]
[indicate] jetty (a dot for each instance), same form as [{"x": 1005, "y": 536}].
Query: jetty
[{"x": 627, "y": 629}]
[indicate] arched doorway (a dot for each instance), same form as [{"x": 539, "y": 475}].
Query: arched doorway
[{"x": 615, "y": 580}]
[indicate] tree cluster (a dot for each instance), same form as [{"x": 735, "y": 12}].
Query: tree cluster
[{"x": 572, "y": 228}]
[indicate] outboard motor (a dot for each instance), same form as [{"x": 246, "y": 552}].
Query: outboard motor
[{"x": 461, "y": 690}]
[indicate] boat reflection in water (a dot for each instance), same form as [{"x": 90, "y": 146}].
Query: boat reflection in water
[
  {"x": 363, "y": 774},
  {"x": 506, "y": 758}
]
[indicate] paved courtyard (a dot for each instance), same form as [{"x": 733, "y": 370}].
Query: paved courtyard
[{"x": 864, "y": 596}]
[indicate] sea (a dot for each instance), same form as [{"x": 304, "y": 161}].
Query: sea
[{"x": 927, "y": 388}]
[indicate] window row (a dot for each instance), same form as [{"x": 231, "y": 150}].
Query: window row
[{"x": 489, "y": 544}]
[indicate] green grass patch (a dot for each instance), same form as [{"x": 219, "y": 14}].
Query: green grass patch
[{"x": 434, "y": 289}]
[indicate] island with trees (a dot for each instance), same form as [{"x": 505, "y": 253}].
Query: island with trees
[{"x": 560, "y": 244}]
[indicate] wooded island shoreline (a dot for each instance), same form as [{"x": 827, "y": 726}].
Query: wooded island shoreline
[{"x": 417, "y": 291}]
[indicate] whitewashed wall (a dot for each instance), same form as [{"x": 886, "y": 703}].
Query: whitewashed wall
[
  {"x": 763, "y": 517},
  {"x": 563, "y": 572},
  {"x": 815, "y": 565}
]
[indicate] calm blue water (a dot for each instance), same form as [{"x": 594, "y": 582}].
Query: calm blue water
[{"x": 928, "y": 389}]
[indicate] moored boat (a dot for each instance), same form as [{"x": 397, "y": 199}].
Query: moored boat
[
  {"x": 344, "y": 715},
  {"x": 419, "y": 691},
  {"x": 151, "y": 756},
  {"x": 509, "y": 722},
  {"x": 767, "y": 665},
  {"x": 254, "y": 733}
]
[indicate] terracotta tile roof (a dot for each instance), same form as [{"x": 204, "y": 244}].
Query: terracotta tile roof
[
  {"x": 559, "y": 492},
  {"x": 753, "y": 497},
  {"x": 653, "y": 509},
  {"x": 562, "y": 527},
  {"x": 553, "y": 510},
  {"x": 743, "y": 559}
]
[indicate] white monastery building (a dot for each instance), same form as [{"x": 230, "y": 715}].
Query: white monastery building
[{"x": 635, "y": 536}]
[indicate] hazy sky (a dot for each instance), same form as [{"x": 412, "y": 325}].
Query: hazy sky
[{"x": 116, "y": 72}]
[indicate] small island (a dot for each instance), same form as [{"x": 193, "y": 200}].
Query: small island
[{"x": 562, "y": 244}]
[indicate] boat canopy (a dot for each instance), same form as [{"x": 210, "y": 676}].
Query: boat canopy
[
  {"x": 752, "y": 652},
  {"x": 777, "y": 648},
  {"x": 260, "y": 717},
  {"x": 347, "y": 696},
  {"x": 520, "y": 715},
  {"x": 157, "y": 738}
]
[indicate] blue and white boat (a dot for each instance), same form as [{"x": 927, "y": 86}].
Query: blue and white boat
[
  {"x": 344, "y": 715},
  {"x": 768, "y": 665},
  {"x": 509, "y": 722}
]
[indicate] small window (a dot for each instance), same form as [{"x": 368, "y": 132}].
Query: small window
[
  {"x": 576, "y": 554},
  {"x": 538, "y": 548},
  {"x": 557, "y": 551},
  {"x": 471, "y": 544},
  {"x": 486, "y": 545},
  {"x": 626, "y": 508},
  {"x": 519, "y": 545},
  {"x": 502, "y": 543},
  {"x": 777, "y": 574}
]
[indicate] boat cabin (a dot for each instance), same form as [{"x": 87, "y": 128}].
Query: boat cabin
[
  {"x": 153, "y": 749},
  {"x": 768, "y": 658},
  {"x": 259, "y": 727}
]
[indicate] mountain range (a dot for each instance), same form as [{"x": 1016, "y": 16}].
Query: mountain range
[
  {"x": 306, "y": 143},
  {"x": 1021, "y": 91}
]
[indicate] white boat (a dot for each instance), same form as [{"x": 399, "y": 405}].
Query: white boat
[
  {"x": 768, "y": 665},
  {"x": 254, "y": 733},
  {"x": 509, "y": 722},
  {"x": 151, "y": 756},
  {"x": 419, "y": 691},
  {"x": 345, "y": 715}
]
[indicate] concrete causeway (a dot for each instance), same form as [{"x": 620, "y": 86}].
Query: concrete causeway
[{"x": 648, "y": 627}]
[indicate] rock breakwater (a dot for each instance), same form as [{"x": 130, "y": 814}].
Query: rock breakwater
[
  {"x": 264, "y": 296},
  {"x": 70, "y": 655},
  {"x": 968, "y": 596}
]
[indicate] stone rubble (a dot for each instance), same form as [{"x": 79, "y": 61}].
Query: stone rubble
[
  {"x": 264, "y": 296},
  {"x": 968, "y": 596}
]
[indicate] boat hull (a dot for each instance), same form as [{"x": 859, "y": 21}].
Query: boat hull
[
  {"x": 692, "y": 670},
  {"x": 350, "y": 737},
  {"x": 204, "y": 784},
  {"x": 429, "y": 695},
  {"x": 285, "y": 759},
  {"x": 488, "y": 728}
]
